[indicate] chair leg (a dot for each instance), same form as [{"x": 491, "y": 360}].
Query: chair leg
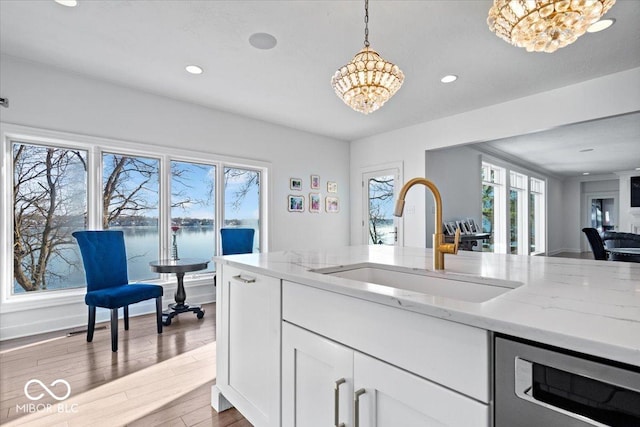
[
  {"x": 114, "y": 329},
  {"x": 159, "y": 313},
  {"x": 126, "y": 317},
  {"x": 91, "y": 326}
]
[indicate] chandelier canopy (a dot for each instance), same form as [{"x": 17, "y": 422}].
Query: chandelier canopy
[
  {"x": 368, "y": 81},
  {"x": 544, "y": 25}
]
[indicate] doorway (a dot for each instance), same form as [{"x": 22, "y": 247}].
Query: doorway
[
  {"x": 380, "y": 187},
  {"x": 600, "y": 212}
]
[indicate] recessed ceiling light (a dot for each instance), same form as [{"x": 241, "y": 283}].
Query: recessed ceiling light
[
  {"x": 263, "y": 41},
  {"x": 586, "y": 150},
  {"x": 193, "y": 69},
  {"x": 449, "y": 78},
  {"x": 68, "y": 3},
  {"x": 600, "y": 25},
  {"x": 585, "y": 173}
]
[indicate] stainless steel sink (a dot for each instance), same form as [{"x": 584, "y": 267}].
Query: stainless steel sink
[{"x": 435, "y": 283}]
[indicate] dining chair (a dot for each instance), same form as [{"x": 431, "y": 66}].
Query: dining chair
[
  {"x": 105, "y": 265},
  {"x": 237, "y": 240},
  {"x": 597, "y": 247}
]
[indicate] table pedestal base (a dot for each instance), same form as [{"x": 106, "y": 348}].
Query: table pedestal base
[{"x": 175, "y": 309}]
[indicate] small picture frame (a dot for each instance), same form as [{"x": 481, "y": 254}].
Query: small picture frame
[
  {"x": 332, "y": 204},
  {"x": 315, "y": 182},
  {"x": 295, "y": 203},
  {"x": 314, "y": 202},
  {"x": 295, "y": 184},
  {"x": 332, "y": 187}
]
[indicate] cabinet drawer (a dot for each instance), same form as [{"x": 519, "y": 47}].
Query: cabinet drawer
[{"x": 447, "y": 353}]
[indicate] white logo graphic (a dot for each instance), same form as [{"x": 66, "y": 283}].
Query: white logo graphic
[{"x": 51, "y": 393}]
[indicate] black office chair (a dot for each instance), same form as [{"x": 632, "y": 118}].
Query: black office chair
[{"x": 597, "y": 247}]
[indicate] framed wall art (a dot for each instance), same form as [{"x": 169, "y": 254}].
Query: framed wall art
[
  {"x": 295, "y": 203},
  {"x": 332, "y": 187},
  {"x": 315, "y": 182},
  {"x": 314, "y": 202},
  {"x": 332, "y": 205},
  {"x": 295, "y": 183}
]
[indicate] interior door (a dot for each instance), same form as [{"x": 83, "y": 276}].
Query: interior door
[{"x": 380, "y": 188}]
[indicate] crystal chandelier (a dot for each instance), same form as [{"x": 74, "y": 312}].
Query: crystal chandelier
[
  {"x": 368, "y": 81},
  {"x": 544, "y": 25}
]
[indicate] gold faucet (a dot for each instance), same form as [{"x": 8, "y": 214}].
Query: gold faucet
[{"x": 439, "y": 246}]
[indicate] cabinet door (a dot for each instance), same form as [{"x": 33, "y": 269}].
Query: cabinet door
[
  {"x": 312, "y": 370},
  {"x": 393, "y": 397},
  {"x": 248, "y": 370}
]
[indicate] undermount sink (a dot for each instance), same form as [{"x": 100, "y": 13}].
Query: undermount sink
[{"x": 442, "y": 284}]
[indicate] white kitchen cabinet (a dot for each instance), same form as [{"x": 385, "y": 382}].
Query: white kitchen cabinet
[
  {"x": 447, "y": 353},
  {"x": 382, "y": 395},
  {"x": 388, "y": 397},
  {"x": 315, "y": 372},
  {"x": 248, "y": 320}
]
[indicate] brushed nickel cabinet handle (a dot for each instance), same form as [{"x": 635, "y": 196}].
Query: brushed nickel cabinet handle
[
  {"x": 336, "y": 405},
  {"x": 356, "y": 407},
  {"x": 239, "y": 278}
]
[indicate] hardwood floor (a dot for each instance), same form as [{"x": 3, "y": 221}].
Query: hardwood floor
[{"x": 153, "y": 380}]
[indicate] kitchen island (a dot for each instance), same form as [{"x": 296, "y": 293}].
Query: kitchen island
[{"x": 588, "y": 307}]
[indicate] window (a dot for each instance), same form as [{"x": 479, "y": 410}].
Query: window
[
  {"x": 514, "y": 214},
  {"x": 537, "y": 229},
  {"x": 49, "y": 203},
  {"x": 193, "y": 208},
  {"x": 139, "y": 189},
  {"x": 382, "y": 227},
  {"x": 517, "y": 214},
  {"x": 493, "y": 218},
  {"x": 242, "y": 200},
  {"x": 130, "y": 202}
]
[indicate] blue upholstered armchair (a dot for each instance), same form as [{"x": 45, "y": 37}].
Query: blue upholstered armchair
[
  {"x": 237, "y": 240},
  {"x": 105, "y": 265}
]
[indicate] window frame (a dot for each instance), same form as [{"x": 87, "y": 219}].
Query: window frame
[
  {"x": 504, "y": 237},
  {"x": 95, "y": 147}
]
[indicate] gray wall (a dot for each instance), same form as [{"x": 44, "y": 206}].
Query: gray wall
[{"x": 456, "y": 173}]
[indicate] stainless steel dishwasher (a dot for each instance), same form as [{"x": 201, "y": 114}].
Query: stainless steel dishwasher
[{"x": 538, "y": 386}]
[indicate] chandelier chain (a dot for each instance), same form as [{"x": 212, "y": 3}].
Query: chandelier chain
[{"x": 366, "y": 23}]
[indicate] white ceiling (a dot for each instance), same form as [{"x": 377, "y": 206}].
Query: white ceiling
[
  {"x": 146, "y": 45},
  {"x": 596, "y": 147}
]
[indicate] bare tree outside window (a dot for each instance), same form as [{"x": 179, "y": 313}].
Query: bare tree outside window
[
  {"x": 381, "y": 229},
  {"x": 49, "y": 203}
]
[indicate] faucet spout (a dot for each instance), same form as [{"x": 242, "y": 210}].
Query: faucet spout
[{"x": 439, "y": 246}]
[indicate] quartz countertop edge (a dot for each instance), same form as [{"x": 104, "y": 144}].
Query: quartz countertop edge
[{"x": 591, "y": 307}]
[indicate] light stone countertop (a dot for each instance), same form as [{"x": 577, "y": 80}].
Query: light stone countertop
[{"x": 592, "y": 307}]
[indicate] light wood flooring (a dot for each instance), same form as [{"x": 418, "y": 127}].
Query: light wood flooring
[{"x": 153, "y": 380}]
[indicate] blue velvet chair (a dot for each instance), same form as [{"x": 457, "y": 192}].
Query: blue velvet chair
[
  {"x": 237, "y": 240},
  {"x": 105, "y": 265}
]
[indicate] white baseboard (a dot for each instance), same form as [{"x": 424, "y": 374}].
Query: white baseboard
[{"x": 73, "y": 314}]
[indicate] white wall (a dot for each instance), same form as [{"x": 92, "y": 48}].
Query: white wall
[
  {"x": 54, "y": 99},
  {"x": 609, "y": 95}
]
